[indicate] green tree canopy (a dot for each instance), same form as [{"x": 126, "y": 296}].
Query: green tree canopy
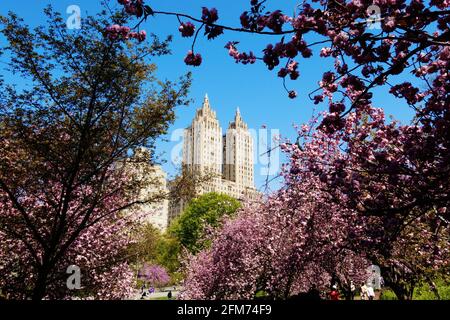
[
  {"x": 152, "y": 247},
  {"x": 144, "y": 248},
  {"x": 206, "y": 210}
]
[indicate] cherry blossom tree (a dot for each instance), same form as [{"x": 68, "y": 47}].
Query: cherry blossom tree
[
  {"x": 299, "y": 239},
  {"x": 84, "y": 102},
  {"x": 372, "y": 174},
  {"x": 154, "y": 275},
  {"x": 98, "y": 250}
]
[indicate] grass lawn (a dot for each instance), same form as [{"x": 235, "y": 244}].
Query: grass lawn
[{"x": 423, "y": 292}]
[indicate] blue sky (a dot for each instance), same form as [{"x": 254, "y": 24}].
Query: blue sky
[{"x": 256, "y": 91}]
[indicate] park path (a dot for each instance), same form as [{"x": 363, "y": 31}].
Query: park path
[{"x": 159, "y": 294}]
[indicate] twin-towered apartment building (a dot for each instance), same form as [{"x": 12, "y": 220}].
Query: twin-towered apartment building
[{"x": 227, "y": 157}]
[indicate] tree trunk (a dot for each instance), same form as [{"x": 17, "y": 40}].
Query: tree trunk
[
  {"x": 433, "y": 288},
  {"x": 402, "y": 291},
  {"x": 40, "y": 286},
  {"x": 345, "y": 288},
  {"x": 399, "y": 292}
]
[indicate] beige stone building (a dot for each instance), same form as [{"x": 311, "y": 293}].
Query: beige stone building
[
  {"x": 229, "y": 156},
  {"x": 153, "y": 189}
]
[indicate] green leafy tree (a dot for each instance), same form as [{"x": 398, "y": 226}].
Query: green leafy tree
[
  {"x": 203, "y": 212},
  {"x": 152, "y": 247},
  {"x": 144, "y": 248},
  {"x": 168, "y": 252}
]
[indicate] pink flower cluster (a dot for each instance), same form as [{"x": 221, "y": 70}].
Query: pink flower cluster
[
  {"x": 213, "y": 32},
  {"x": 192, "y": 59},
  {"x": 380, "y": 56},
  {"x": 116, "y": 32},
  {"x": 133, "y": 7},
  {"x": 209, "y": 16},
  {"x": 291, "y": 70},
  {"x": 257, "y": 22},
  {"x": 242, "y": 57},
  {"x": 186, "y": 29},
  {"x": 245, "y": 20},
  {"x": 273, "y": 54},
  {"x": 274, "y": 21},
  {"x": 408, "y": 91},
  {"x": 292, "y": 94}
]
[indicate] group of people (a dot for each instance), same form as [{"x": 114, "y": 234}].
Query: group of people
[
  {"x": 151, "y": 290},
  {"x": 366, "y": 292},
  {"x": 144, "y": 292}
]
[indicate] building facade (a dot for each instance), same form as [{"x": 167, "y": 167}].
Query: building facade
[
  {"x": 153, "y": 190},
  {"x": 227, "y": 157}
]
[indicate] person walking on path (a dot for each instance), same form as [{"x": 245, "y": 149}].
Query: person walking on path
[
  {"x": 370, "y": 293},
  {"x": 352, "y": 290},
  {"x": 364, "y": 295},
  {"x": 334, "y": 294},
  {"x": 169, "y": 295}
]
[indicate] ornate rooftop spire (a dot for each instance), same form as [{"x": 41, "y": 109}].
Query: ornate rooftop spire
[
  {"x": 237, "y": 116},
  {"x": 206, "y": 102},
  {"x": 238, "y": 122},
  {"x": 205, "y": 110}
]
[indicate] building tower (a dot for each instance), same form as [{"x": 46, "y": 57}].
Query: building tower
[
  {"x": 202, "y": 147},
  {"x": 238, "y": 153},
  {"x": 229, "y": 157}
]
